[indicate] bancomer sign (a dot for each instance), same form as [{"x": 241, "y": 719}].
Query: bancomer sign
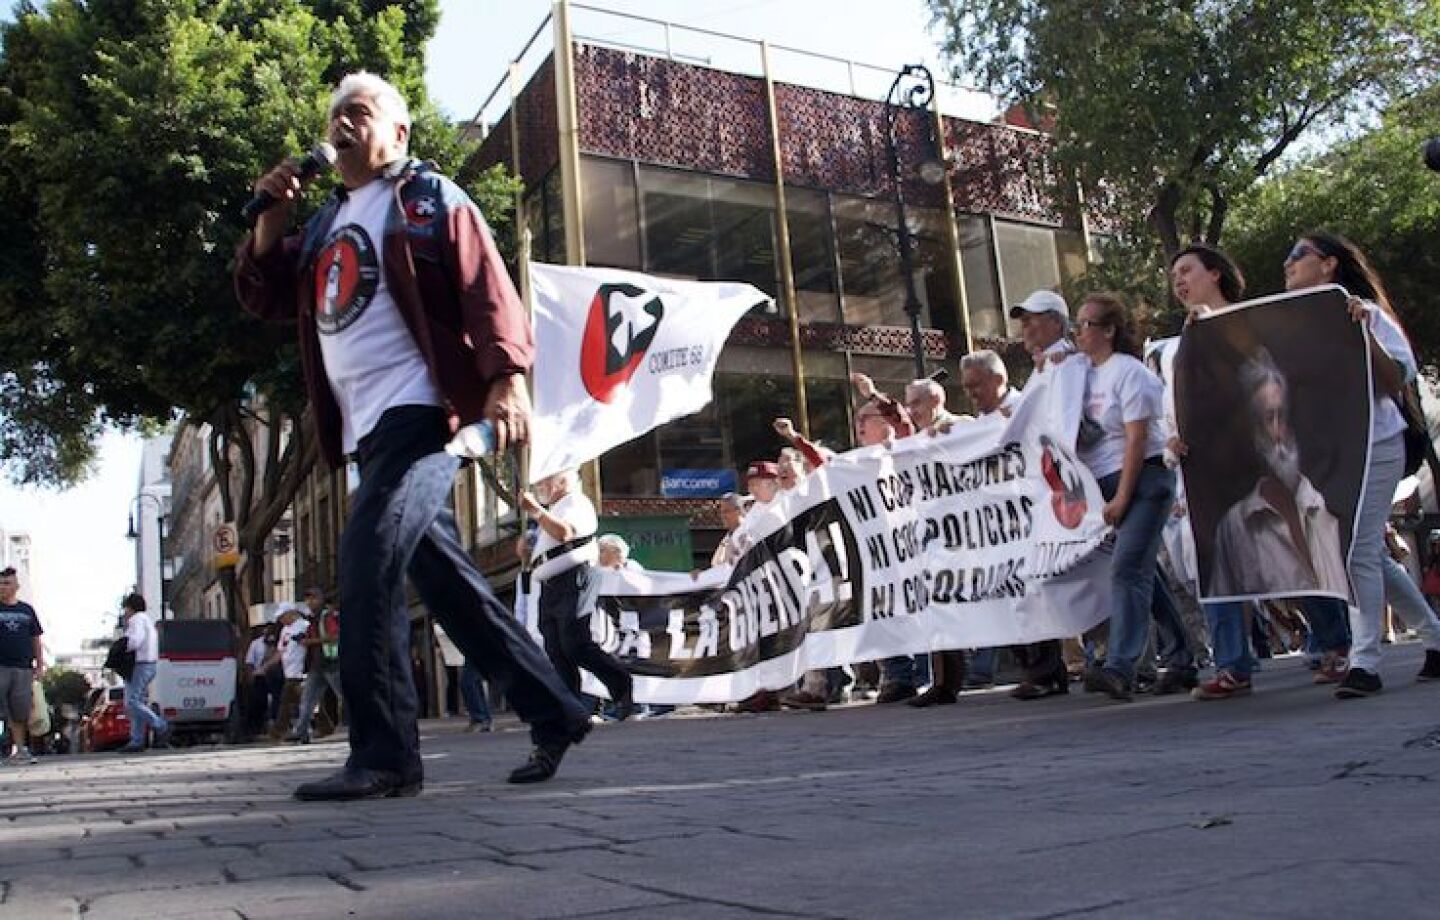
[{"x": 696, "y": 483}]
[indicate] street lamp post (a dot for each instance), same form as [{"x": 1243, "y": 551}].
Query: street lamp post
[
  {"x": 913, "y": 89},
  {"x": 133, "y": 533}
]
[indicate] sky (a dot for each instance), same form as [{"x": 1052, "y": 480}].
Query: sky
[{"x": 82, "y": 562}]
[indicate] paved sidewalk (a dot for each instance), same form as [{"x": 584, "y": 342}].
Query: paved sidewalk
[{"x": 1286, "y": 804}]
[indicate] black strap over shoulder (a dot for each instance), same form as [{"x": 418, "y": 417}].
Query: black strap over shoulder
[{"x": 562, "y": 548}]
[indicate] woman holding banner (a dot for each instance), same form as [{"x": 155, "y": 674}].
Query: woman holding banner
[
  {"x": 1122, "y": 441},
  {"x": 1204, "y": 278},
  {"x": 1323, "y": 258}
]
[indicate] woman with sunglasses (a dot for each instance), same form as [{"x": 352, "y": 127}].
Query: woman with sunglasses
[
  {"x": 1204, "y": 278},
  {"x": 1122, "y": 441},
  {"x": 1324, "y": 258}
]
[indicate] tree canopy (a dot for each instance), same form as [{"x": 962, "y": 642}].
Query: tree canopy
[
  {"x": 1166, "y": 111},
  {"x": 131, "y": 131},
  {"x": 1373, "y": 189}
]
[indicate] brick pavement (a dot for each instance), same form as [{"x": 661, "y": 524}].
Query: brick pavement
[{"x": 1286, "y": 804}]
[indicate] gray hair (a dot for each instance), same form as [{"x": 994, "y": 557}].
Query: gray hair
[
  {"x": 616, "y": 542},
  {"x": 1259, "y": 371},
  {"x": 987, "y": 361},
  {"x": 364, "y": 83},
  {"x": 925, "y": 386},
  {"x": 734, "y": 500}
]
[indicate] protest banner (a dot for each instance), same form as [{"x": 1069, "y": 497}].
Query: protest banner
[
  {"x": 1272, "y": 401},
  {"x": 989, "y": 535}
]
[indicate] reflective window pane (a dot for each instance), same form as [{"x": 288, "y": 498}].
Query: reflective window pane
[
  {"x": 1028, "y": 261},
  {"x": 612, "y": 219}
]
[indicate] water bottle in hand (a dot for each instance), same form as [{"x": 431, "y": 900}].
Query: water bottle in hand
[{"x": 473, "y": 441}]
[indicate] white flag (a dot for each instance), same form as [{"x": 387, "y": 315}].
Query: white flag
[{"x": 618, "y": 353}]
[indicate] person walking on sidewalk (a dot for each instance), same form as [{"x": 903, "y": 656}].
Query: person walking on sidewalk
[
  {"x": 144, "y": 642},
  {"x": 408, "y": 325},
  {"x": 22, "y": 662},
  {"x": 564, "y": 565},
  {"x": 472, "y": 691},
  {"x": 322, "y": 662}
]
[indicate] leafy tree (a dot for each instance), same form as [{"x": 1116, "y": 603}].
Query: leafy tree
[
  {"x": 1372, "y": 189},
  {"x": 1167, "y": 112},
  {"x": 130, "y": 134}
]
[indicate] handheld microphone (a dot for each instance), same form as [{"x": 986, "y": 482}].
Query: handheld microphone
[{"x": 317, "y": 161}]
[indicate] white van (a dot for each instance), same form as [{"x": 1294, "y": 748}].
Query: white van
[{"x": 195, "y": 677}]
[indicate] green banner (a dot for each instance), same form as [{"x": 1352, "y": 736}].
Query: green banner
[{"x": 659, "y": 542}]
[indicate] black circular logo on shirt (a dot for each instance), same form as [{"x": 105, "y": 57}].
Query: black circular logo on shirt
[{"x": 346, "y": 276}]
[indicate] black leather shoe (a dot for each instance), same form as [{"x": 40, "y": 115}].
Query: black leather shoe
[
  {"x": 349, "y": 784},
  {"x": 1113, "y": 685},
  {"x": 1176, "y": 680},
  {"x": 624, "y": 707},
  {"x": 545, "y": 759},
  {"x": 937, "y": 695},
  {"x": 543, "y": 763},
  {"x": 1027, "y": 690},
  {"x": 895, "y": 693}
]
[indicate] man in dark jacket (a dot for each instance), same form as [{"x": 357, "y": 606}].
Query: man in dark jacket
[{"x": 409, "y": 328}]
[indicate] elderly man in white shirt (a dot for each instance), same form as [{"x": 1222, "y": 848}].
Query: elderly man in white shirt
[{"x": 1280, "y": 536}]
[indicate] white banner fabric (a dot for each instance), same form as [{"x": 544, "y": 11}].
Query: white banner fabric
[
  {"x": 618, "y": 353},
  {"x": 990, "y": 535}
]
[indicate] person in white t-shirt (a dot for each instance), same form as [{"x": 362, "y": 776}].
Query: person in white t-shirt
[
  {"x": 409, "y": 327},
  {"x": 564, "y": 565},
  {"x": 1122, "y": 441},
  {"x": 143, "y": 641},
  {"x": 1320, "y": 258},
  {"x": 293, "y": 627},
  {"x": 1044, "y": 319}
]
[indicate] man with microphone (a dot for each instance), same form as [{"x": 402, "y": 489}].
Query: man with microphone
[{"x": 409, "y": 327}]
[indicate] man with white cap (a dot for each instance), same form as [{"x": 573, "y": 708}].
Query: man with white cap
[{"x": 1044, "y": 320}]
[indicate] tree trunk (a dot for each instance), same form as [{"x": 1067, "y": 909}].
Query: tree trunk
[
  {"x": 1219, "y": 208},
  {"x": 1163, "y": 217}
]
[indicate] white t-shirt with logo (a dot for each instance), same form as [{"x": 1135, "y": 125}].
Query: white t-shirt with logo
[
  {"x": 292, "y": 649},
  {"x": 576, "y": 510},
  {"x": 371, "y": 358},
  {"x": 1119, "y": 391}
]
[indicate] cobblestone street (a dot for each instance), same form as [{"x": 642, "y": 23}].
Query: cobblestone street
[{"x": 1286, "y": 804}]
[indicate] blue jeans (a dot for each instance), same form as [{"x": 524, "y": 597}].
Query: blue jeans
[
  {"x": 982, "y": 665},
  {"x": 1132, "y": 569},
  {"x": 1227, "y": 635},
  {"x": 1387, "y": 465},
  {"x": 1329, "y": 619},
  {"x": 400, "y": 523},
  {"x": 316, "y": 679},
  {"x": 472, "y": 689},
  {"x": 137, "y": 703},
  {"x": 1170, "y": 635}
]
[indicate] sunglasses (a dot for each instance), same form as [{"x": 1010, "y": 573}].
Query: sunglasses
[{"x": 1300, "y": 251}]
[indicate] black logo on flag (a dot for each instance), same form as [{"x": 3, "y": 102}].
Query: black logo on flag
[{"x": 622, "y": 323}]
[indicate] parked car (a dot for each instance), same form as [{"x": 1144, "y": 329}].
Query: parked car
[
  {"x": 104, "y": 726},
  {"x": 194, "y": 686}
]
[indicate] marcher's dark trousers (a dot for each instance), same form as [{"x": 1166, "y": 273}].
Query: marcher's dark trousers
[
  {"x": 400, "y": 522},
  {"x": 1042, "y": 662},
  {"x": 568, "y": 642}
]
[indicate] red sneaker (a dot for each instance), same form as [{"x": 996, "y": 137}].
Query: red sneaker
[
  {"x": 1332, "y": 668},
  {"x": 1222, "y": 686}
]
